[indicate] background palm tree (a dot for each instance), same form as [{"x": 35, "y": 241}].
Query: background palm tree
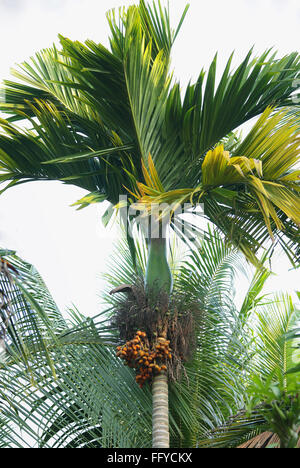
[
  {"x": 272, "y": 397},
  {"x": 93, "y": 116}
]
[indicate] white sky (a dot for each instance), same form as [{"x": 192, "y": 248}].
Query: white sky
[{"x": 70, "y": 248}]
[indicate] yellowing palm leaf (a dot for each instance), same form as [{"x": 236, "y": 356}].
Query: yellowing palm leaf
[
  {"x": 218, "y": 168},
  {"x": 269, "y": 180}
]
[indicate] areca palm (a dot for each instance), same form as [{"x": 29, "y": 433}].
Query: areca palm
[{"x": 115, "y": 122}]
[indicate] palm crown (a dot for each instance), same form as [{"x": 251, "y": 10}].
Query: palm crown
[{"x": 95, "y": 115}]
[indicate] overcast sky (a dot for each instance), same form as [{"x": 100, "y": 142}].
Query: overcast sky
[{"x": 70, "y": 248}]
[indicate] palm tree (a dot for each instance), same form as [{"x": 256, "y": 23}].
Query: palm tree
[
  {"x": 272, "y": 405},
  {"x": 114, "y": 122}
]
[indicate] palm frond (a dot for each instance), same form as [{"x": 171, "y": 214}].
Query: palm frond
[
  {"x": 240, "y": 96},
  {"x": 257, "y": 186},
  {"x": 274, "y": 353},
  {"x": 86, "y": 107},
  {"x": 238, "y": 430},
  {"x": 28, "y": 314},
  {"x": 269, "y": 388},
  {"x": 210, "y": 388}
]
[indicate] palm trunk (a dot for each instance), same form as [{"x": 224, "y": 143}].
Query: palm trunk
[
  {"x": 160, "y": 412},
  {"x": 159, "y": 278}
]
